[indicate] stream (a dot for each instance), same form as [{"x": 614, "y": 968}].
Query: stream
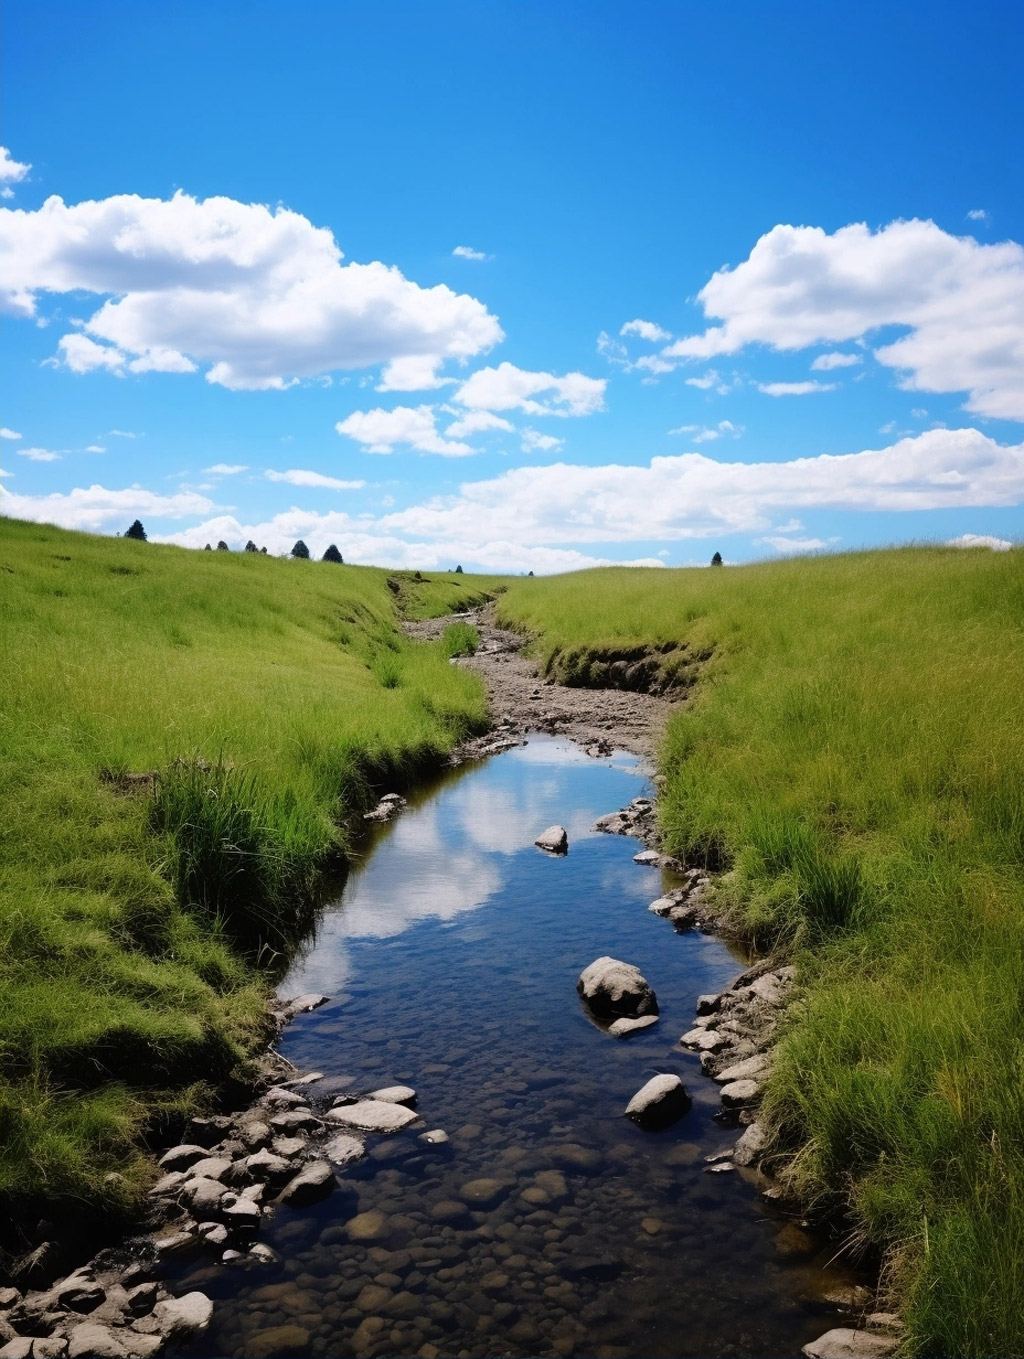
[{"x": 451, "y": 960}]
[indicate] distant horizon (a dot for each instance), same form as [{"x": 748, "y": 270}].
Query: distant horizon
[{"x": 528, "y": 288}]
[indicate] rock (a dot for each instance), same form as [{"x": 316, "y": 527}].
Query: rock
[
  {"x": 435, "y": 1137},
  {"x": 169, "y": 1184},
  {"x": 650, "y": 858},
  {"x": 141, "y": 1346},
  {"x": 719, "y": 1168},
  {"x": 394, "y": 1094},
  {"x": 20, "y": 1348},
  {"x": 175, "y": 1243},
  {"x": 81, "y": 1296},
  {"x": 313, "y": 1182},
  {"x": 293, "y": 1120},
  {"x": 203, "y": 1196},
  {"x": 707, "y": 1005},
  {"x": 211, "y": 1168},
  {"x": 613, "y": 989},
  {"x": 182, "y": 1318},
  {"x": 888, "y": 1322},
  {"x": 843, "y": 1343},
  {"x": 370, "y": 1226},
  {"x": 263, "y": 1255},
  {"x": 846, "y": 1295},
  {"x": 40, "y": 1267},
  {"x": 8, "y": 1297},
  {"x": 739, "y": 1092},
  {"x": 242, "y": 1216},
  {"x": 751, "y": 1144},
  {"x": 484, "y": 1192},
  {"x": 303, "y": 1004},
  {"x": 448, "y": 1210},
  {"x": 288, "y": 1147},
  {"x": 746, "y": 1070},
  {"x": 660, "y": 1102},
  {"x": 704, "y": 1040},
  {"x": 372, "y": 1115},
  {"x": 182, "y": 1157},
  {"x": 277, "y": 1341},
  {"x": 265, "y": 1165},
  {"x": 770, "y": 988},
  {"x": 573, "y": 1157},
  {"x": 663, "y": 905},
  {"x": 344, "y": 1149},
  {"x": 142, "y": 1299},
  {"x": 90, "y": 1341},
  {"x": 50, "y": 1347},
  {"x": 622, "y": 1028},
  {"x": 554, "y": 840}
]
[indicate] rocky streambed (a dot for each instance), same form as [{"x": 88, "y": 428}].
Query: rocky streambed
[{"x": 452, "y": 1153}]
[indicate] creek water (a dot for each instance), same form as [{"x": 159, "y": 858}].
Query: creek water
[{"x": 451, "y": 959}]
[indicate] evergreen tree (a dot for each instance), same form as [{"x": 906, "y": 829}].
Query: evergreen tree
[
  {"x": 222, "y": 546},
  {"x": 137, "y": 531},
  {"x": 333, "y": 555},
  {"x": 716, "y": 560},
  {"x": 207, "y": 548},
  {"x": 458, "y": 570},
  {"x": 263, "y": 551},
  {"x": 251, "y": 546},
  {"x": 301, "y": 550}
]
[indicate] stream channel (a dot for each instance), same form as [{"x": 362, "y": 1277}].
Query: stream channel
[{"x": 451, "y": 960}]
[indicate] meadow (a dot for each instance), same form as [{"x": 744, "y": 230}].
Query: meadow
[
  {"x": 189, "y": 740},
  {"x": 853, "y": 756}
]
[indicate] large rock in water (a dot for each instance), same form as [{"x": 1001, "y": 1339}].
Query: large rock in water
[
  {"x": 845, "y": 1343},
  {"x": 554, "y": 840},
  {"x": 613, "y": 989},
  {"x": 660, "y": 1102}
]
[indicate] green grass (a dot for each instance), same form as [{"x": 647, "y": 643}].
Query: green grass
[
  {"x": 854, "y": 756},
  {"x": 186, "y": 738},
  {"x": 460, "y": 639}
]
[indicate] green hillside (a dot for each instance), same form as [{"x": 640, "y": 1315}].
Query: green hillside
[
  {"x": 186, "y": 736},
  {"x": 854, "y": 754}
]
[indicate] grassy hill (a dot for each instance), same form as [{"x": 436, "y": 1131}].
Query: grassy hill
[
  {"x": 854, "y": 753},
  {"x": 186, "y": 737}
]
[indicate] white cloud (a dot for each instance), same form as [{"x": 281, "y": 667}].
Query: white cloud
[
  {"x": 476, "y": 422},
  {"x": 978, "y": 215},
  {"x": 4, "y": 473},
  {"x": 297, "y": 476},
  {"x": 702, "y": 434},
  {"x": 466, "y": 252},
  {"x": 6, "y": 433},
  {"x": 97, "y": 508},
  {"x": 981, "y": 540},
  {"x": 694, "y": 496},
  {"x": 226, "y": 469},
  {"x": 415, "y": 374},
  {"x": 259, "y": 295},
  {"x": 38, "y": 454},
  {"x": 535, "y": 442},
  {"x": 962, "y": 302},
  {"x": 711, "y": 380},
  {"x": 825, "y": 363},
  {"x": 510, "y": 388},
  {"x": 123, "y": 434},
  {"x": 796, "y": 545},
  {"x": 794, "y": 388},
  {"x": 83, "y": 355},
  {"x": 11, "y": 170},
  {"x": 613, "y": 351},
  {"x": 95, "y": 448},
  {"x": 646, "y": 330},
  {"x": 380, "y": 430}
]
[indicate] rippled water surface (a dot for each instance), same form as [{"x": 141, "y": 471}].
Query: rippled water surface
[{"x": 451, "y": 959}]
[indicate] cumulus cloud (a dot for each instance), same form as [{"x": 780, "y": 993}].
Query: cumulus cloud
[
  {"x": 978, "y": 215},
  {"x": 95, "y": 448},
  {"x": 535, "y": 442},
  {"x": 825, "y": 363},
  {"x": 792, "y": 546},
  {"x": 646, "y": 330},
  {"x": 380, "y": 430},
  {"x": 466, "y": 252},
  {"x": 703, "y": 434},
  {"x": 259, "y": 295},
  {"x": 794, "y": 388},
  {"x": 711, "y": 381},
  {"x": 6, "y": 433},
  {"x": 510, "y": 388},
  {"x": 123, "y": 433},
  {"x": 11, "y": 171},
  {"x": 476, "y": 422},
  {"x": 415, "y": 374},
  {"x": 981, "y": 540},
  {"x": 38, "y": 454},
  {"x": 96, "y": 507},
  {"x": 226, "y": 469},
  {"x": 961, "y": 302},
  {"x": 297, "y": 476}
]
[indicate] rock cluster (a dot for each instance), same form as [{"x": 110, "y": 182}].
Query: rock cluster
[{"x": 387, "y": 808}]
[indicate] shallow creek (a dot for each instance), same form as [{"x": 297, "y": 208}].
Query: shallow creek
[{"x": 451, "y": 958}]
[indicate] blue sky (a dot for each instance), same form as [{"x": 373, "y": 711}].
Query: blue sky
[{"x": 812, "y": 213}]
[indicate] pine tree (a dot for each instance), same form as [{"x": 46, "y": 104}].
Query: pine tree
[
  {"x": 222, "y": 546},
  {"x": 137, "y": 531},
  {"x": 263, "y": 551},
  {"x": 207, "y": 548},
  {"x": 251, "y": 546},
  {"x": 716, "y": 560},
  {"x": 333, "y": 555},
  {"x": 301, "y": 550},
  {"x": 458, "y": 570}
]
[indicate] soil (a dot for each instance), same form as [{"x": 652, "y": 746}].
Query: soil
[{"x": 522, "y": 700}]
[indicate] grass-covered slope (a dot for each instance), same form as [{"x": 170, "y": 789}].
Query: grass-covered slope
[
  {"x": 184, "y": 735},
  {"x": 854, "y": 751}
]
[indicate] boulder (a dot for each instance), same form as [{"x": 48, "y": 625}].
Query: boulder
[
  {"x": 622, "y": 1028},
  {"x": 344, "y": 1149},
  {"x": 91, "y": 1341},
  {"x": 142, "y": 1299},
  {"x": 660, "y": 1102},
  {"x": 210, "y": 1168},
  {"x": 707, "y": 1005},
  {"x": 203, "y": 1196},
  {"x": 751, "y": 1144},
  {"x": 373, "y": 1115},
  {"x": 739, "y": 1092},
  {"x": 182, "y": 1318},
  {"x": 182, "y": 1157},
  {"x": 265, "y": 1165},
  {"x": 704, "y": 1040},
  {"x": 747, "y": 1070},
  {"x": 435, "y": 1137},
  {"x": 845, "y": 1343},
  {"x": 313, "y": 1182},
  {"x": 484, "y": 1192},
  {"x": 650, "y": 858},
  {"x": 243, "y": 1216},
  {"x": 277, "y": 1341},
  {"x": 288, "y": 1147},
  {"x": 294, "y": 1120},
  {"x": 554, "y": 840},
  {"x": 394, "y": 1094},
  {"x": 613, "y": 989},
  {"x": 20, "y": 1348},
  {"x": 303, "y": 1004}
]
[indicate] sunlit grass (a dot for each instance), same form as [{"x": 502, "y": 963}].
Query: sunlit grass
[{"x": 854, "y": 753}]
